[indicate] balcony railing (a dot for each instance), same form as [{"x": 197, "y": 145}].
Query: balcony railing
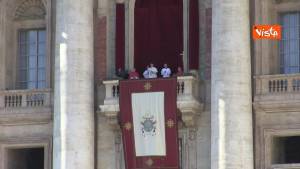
[
  {"x": 25, "y": 106},
  {"x": 277, "y": 93},
  {"x": 185, "y": 89},
  {"x": 187, "y": 94},
  {"x": 25, "y": 98},
  {"x": 277, "y": 84},
  {"x": 286, "y": 166}
]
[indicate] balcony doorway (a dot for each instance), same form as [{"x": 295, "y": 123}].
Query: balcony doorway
[
  {"x": 158, "y": 33},
  {"x": 25, "y": 158},
  {"x": 286, "y": 150}
]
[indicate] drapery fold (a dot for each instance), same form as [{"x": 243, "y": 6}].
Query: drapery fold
[
  {"x": 120, "y": 36},
  {"x": 193, "y": 34}
]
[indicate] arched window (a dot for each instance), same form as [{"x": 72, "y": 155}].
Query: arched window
[{"x": 32, "y": 65}]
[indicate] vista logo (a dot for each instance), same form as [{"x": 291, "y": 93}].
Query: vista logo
[{"x": 266, "y": 32}]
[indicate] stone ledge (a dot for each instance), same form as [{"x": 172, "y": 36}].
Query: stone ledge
[
  {"x": 24, "y": 116},
  {"x": 110, "y": 112},
  {"x": 187, "y": 92},
  {"x": 291, "y": 96},
  {"x": 277, "y": 106},
  {"x": 189, "y": 111},
  {"x": 285, "y": 166}
]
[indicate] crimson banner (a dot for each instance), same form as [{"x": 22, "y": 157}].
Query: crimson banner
[{"x": 149, "y": 123}]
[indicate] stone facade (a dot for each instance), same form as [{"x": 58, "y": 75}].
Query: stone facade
[{"x": 235, "y": 108}]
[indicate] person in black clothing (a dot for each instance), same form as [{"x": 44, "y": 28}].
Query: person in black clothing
[{"x": 122, "y": 73}]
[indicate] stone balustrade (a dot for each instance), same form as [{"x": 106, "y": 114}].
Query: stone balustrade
[
  {"x": 25, "y": 98},
  {"x": 282, "y": 83},
  {"x": 277, "y": 93},
  {"x": 187, "y": 102},
  {"x": 285, "y": 166},
  {"x": 18, "y": 107}
]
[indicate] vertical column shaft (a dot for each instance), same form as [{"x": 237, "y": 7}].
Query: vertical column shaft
[
  {"x": 73, "y": 140},
  {"x": 185, "y": 20},
  {"x": 231, "y": 109},
  {"x": 2, "y": 46}
]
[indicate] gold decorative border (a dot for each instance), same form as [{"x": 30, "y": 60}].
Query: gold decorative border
[
  {"x": 147, "y": 86},
  {"x": 170, "y": 123},
  {"x": 128, "y": 126},
  {"x": 149, "y": 162}
]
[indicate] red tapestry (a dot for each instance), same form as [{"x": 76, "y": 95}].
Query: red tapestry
[{"x": 168, "y": 86}]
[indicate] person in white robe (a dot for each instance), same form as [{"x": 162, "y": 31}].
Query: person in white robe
[
  {"x": 166, "y": 72},
  {"x": 152, "y": 71},
  {"x": 146, "y": 73}
]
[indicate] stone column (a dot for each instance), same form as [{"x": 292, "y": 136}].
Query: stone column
[
  {"x": 73, "y": 137},
  {"x": 2, "y": 46},
  {"x": 111, "y": 35},
  {"x": 231, "y": 110},
  {"x": 185, "y": 20}
]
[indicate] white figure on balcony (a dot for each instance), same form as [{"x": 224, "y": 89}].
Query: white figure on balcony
[
  {"x": 150, "y": 72},
  {"x": 146, "y": 73},
  {"x": 165, "y": 71}
]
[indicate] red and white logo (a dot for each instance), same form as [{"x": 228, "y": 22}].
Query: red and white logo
[{"x": 266, "y": 32}]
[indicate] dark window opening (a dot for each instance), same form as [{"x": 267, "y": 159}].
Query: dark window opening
[
  {"x": 25, "y": 158},
  {"x": 286, "y": 150}
]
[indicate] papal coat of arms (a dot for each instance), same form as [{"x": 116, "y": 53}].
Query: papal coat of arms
[{"x": 148, "y": 125}]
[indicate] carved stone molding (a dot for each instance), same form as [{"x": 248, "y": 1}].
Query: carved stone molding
[
  {"x": 277, "y": 106},
  {"x": 192, "y": 134},
  {"x": 25, "y": 118},
  {"x": 265, "y": 143},
  {"x": 27, "y": 142},
  {"x": 189, "y": 111},
  {"x": 30, "y": 9},
  {"x": 110, "y": 112}
]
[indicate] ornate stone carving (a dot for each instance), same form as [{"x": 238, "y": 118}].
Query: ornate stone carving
[
  {"x": 30, "y": 9},
  {"x": 192, "y": 134}
]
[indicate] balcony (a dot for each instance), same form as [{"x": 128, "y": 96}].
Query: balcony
[
  {"x": 25, "y": 106},
  {"x": 187, "y": 102},
  {"x": 277, "y": 92}
]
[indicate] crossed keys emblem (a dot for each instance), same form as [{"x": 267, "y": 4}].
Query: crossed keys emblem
[{"x": 148, "y": 125}]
